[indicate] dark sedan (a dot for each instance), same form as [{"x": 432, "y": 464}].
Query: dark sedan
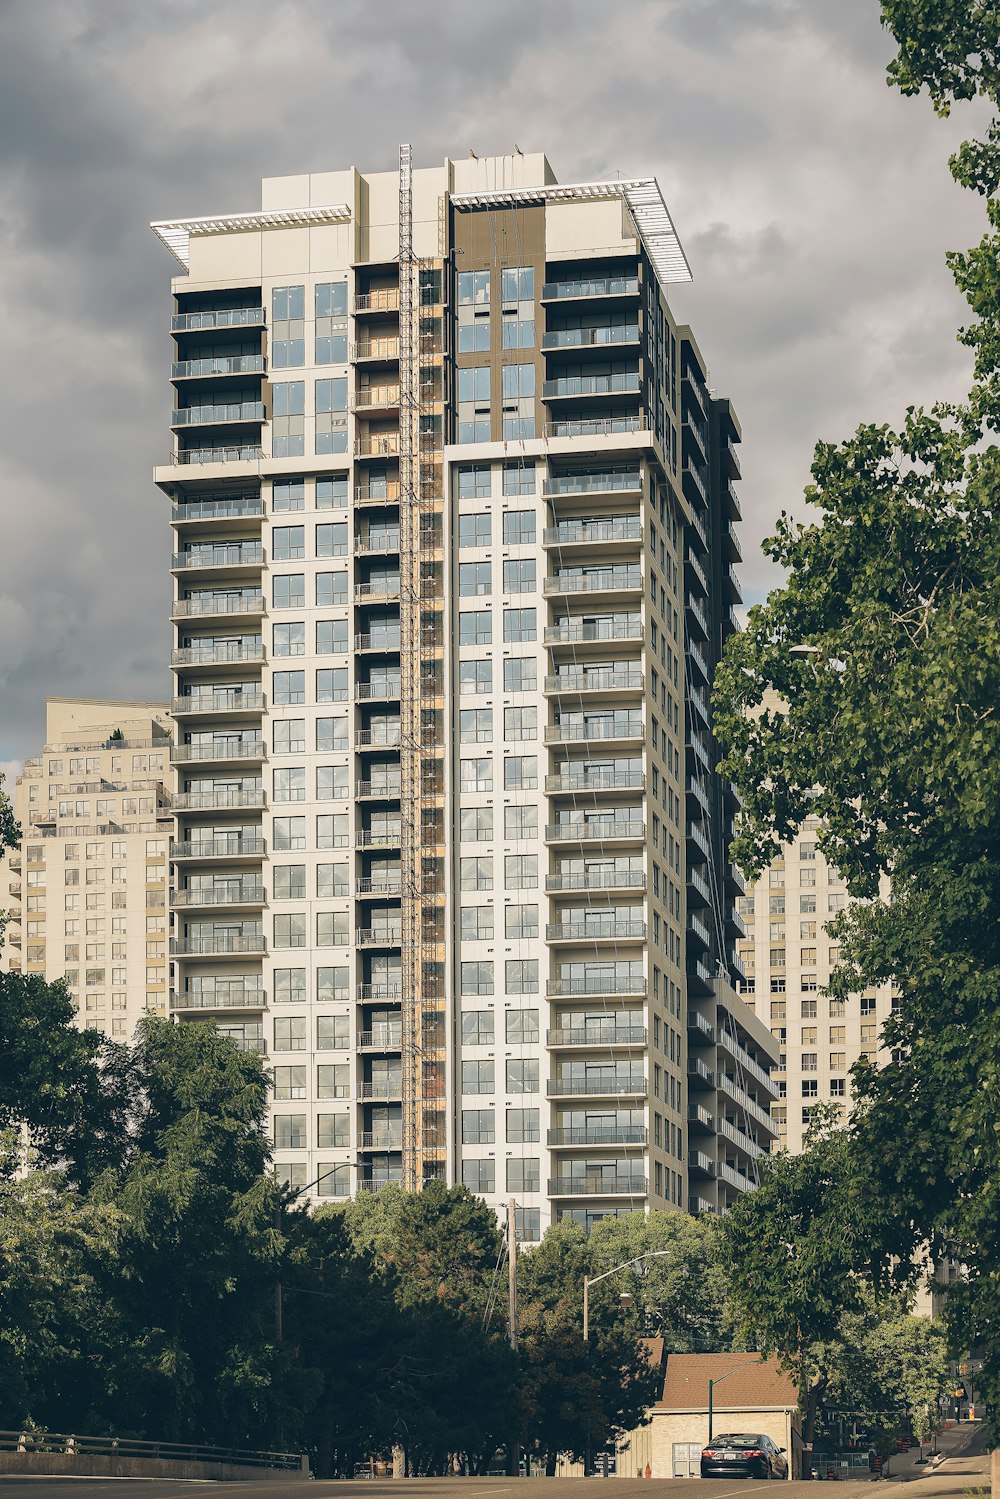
[{"x": 741, "y": 1454}]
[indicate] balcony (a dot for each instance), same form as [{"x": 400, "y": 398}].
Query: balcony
[
  {"x": 605, "y": 1035},
  {"x": 234, "y": 554},
  {"x": 379, "y": 993},
  {"x": 384, "y": 885},
  {"x": 699, "y": 1075},
  {"x": 385, "y": 837},
  {"x": 376, "y": 350},
  {"x": 698, "y": 846},
  {"x": 378, "y": 640},
  {"x": 378, "y": 739},
  {"x": 697, "y": 658},
  {"x": 377, "y": 589},
  {"x": 381, "y": 445},
  {"x": 698, "y": 930},
  {"x": 749, "y": 1105},
  {"x": 241, "y": 452},
  {"x": 379, "y": 936},
  {"x": 205, "y": 605},
  {"x": 699, "y": 1119},
  {"x": 615, "y": 830},
  {"x": 696, "y": 573},
  {"x": 626, "y": 531},
  {"x": 613, "y": 580},
  {"x": 611, "y": 1086},
  {"x": 740, "y": 1138},
  {"x": 745, "y": 1060},
  {"x": 701, "y": 1032},
  {"x": 381, "y": 691},
  {"x": 224, "y": 364},
  {"x": 218, "y": 655},
  {"x": 596, "y": 879},
  {"x": 390, "y": 790},
  {"x": 700, "y": 1165},
  {"x": 698, "y": 889},
  {"x": 217, "y": 801},
  {"x": 218, "y": 415},
  {"x": 741, "y": 1180},
  {"x": 733, "y": 549},
  {"x": 384, "y": 493},
  {"x": 221, "y": 944},
  {"x": 631, "y": 985},
  {"x": 231, "y": 997},
  {"x": 588, "y": 679},
  {"x": 383, "y": 299},
  {"x": 239, "y": 507},
  {"x": 383, "y": 1087},
  {"x": 595, "y": 931},
  {"x": 596, "y": 780},
  {"x": 381, "y": 1038},
  {"x": 617, "y": 729},
  {"x": 251, "y": 701},
  {"x": 230, "y": 846},
  {"x": 219, "y": 752},
  {"x": 224, "y": 317},
  {"x": 598, "y": 1134},
  {"x": 381, "y": 1139},
  {"x": 233, "y": 893},
  {"x": 594, "y": 286},
  {"x": 590, "y": 338},
  {"x": 376, "y": 398},
  {"x": 580, "y": 387},
  {"x": 598, "y": 426},
  {"x": 598, "y": 1186},
  {"x": 374, "y": 541},
  {"x": 574, "y": 632}
]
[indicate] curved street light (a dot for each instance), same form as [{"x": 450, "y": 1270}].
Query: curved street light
[{"x": 591, "y": 1280}]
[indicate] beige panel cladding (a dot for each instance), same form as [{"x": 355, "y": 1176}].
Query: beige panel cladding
[
  {"x": 600, "y": 227},
  {"x": 283, "y": 252},
  {"x": 225, "y": 258},
  {"x": 484, "y": 174}
]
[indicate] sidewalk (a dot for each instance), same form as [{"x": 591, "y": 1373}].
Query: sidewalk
[{"x": 962, "y": 1463}]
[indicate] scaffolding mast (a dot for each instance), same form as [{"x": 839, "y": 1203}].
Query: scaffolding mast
[{"x": 421, "y": 647}]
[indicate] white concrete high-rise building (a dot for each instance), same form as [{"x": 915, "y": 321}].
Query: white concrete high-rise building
[
  {"x": 453, "y": 507},
  {"x": 86, "y": 891}
]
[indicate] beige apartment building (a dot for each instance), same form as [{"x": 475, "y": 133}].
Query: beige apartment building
[
  {"x": 454, "y": 511},
  {"x": 787, "y": 957},
  {"x": 86, "y": 892}
]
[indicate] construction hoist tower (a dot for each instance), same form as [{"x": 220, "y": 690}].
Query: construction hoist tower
[{"x": 421, "y": 389}]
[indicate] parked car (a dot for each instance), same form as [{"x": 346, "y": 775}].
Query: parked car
[{"x": 741, "y": 1454}]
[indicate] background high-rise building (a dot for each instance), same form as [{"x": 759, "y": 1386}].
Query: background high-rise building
[
  {"x": 454, "y": 508},
  {"x": 788, "y": 955},
  {"x": 86, "y": 891}
]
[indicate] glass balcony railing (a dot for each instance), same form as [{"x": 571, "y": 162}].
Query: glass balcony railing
[
  {"x": 595, "y": 580},
  {"x": 567, "y": 533},
  {"x": 593, "y": 483},
  {"x": 595, "y": 879},
  {"x": 595, "y": 681},
  {"x": 219, "y": 509},
  {"x": 591, "y": 832},
  {"x": 598, "y": 426},
  {"x": 594, "y": 286},
  {"x": 606, "y": 1086},
  {"x": 219, "y": 702},
  {"x": 222, "y": 364},
  {"x": 614, "y": 627},
  {"x": 207, "y": 416},
  {"x": 625, "y": 383},
  {"x": 230, "y": 453},
  {"x": 595, "y": 931},
  {"x": 223, "y": 317},
  {"x": 236, "y": 554},
  {"x": 584, "y": 338},
  {"x": 598, "y": 1134},
  {"x": 598, "y": 1186}
]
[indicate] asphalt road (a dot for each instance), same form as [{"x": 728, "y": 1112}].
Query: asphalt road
[{"x": 420, "y": 1488}]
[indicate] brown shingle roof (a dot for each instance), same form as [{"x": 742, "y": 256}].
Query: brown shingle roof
[{"x": 755, "y": 1386}]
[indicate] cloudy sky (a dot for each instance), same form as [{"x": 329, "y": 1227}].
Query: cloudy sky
[{"x": 814, "y": 203}]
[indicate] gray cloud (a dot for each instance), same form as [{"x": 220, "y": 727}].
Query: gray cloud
[{"x": 815, "y": 205}]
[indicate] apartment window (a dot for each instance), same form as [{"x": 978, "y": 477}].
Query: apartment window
[
  {"x": 523, "y": 1127},
  {"x": 290, "y": 1033},
  {"x": 778, "y": 1009},
  {"x": 474, "y": 579},
  {"x": 807, "y": 851},
  {"x": 808, "y": 1035},
  {"x": 331, "y": 684},
  {"x": 288, "y": 425},
  {"x": 519, "y": 625},
  {"x": 517, "y": 284},
  {"x": 518, "y": 382},
  {"x": 288, "y": 687},
  {"x": 521, "y": 976},
  {"x": 332, "y": 983},
  {"x": 290, "y": 1132},
  {"x": 332, "y": 928},
  {"x": 524, "y": 1174},
  {"x": 519, "y": 575},
  {"x": 520, "y": 922},
  {"x": 479, "y": 1176},
  {"x": 520, "y": 674},
  {"x": 520, "y": 822},
  {"x": 777, "y": 957},
  {"x": 290, "y": 985},
  {"x": 477, "y": 1077},
  {"x": 519, "y": 478},
  {"x": 331, "y": 322},
  {"x": 474, "y": 481},
  {"x": 331, "y": 493},
  {"x": 475, "y": 627},
  {"x": 478, "y": 1127},
  {"x": 333, "y": 1131},
  {"x": 331, "y": 539},
  {"x": 289, "y": 640},
  {"x": 838, "y": 1061},
  {"x": 331, "y": 415},
  {"x": 332, "y": 880},
  {"x": 331, "y": 636},
  {"x": 332, "y": 1033},
  {"x": 522, "y": 1027},
  {"x": 333, "y": 1181},
  {"x": 288, "y": 591},
  {"x": 332, "y": 782},
  {"x": 473, "y": 331},
  {"x": 477, "y": 774},
  {"x": 289, "y": 882},
  {"x": 807, "y": 957},
  {"x": 290, "y": 784},
  {"x": 473, "y": 288},
  {"x": 522, "y": 1075},
  {"x": 810, "y": 1087},
  {"x": 290, "y": 930},
  {"x": 476, "y": 923},
  {"x": 838, "y": 1035},
  {"x": 333, "y": 1080},
  {"x": 475, "y": 726},
  {"x": 520, "y": 725},
  {"x": 475, "y": 873},
  {"x": 474, "y": 403},
  {"x": 332, "y": 734},
  {"x": 331, "y": 831},
  {"x": 521, "y": 871},
  {"x": 477, "y": 1028},
  {"x": 288, "y": 494},
  {"x": 836, "y": 900},
  {"x": 868, "y": 1035},
  {"x": 474, "y": 530},
  {"x": 289, "y": 1082},
  {"x": 287, "y": 543},
  {"x": 475, "y": 676},
  {"x": 477, "y": 977},
  {"x": 520, "y": 773},
  {"x": 288, "y": 832},
  {"x": 288, "y": 344},
  {"x": 331, "y": 589}
]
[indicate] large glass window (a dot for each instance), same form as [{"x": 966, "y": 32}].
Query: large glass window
[
  {"x": 475, "y": 676},
  {"x": 331, "y": 589},
  {"x": 478, "y": 1126},
  {"x": 518, "y": 401},
  {"x": 477, "y": 1027},
  {"x": 331, "y": 539},
  {"x": 519, "y": 528},
  {"x": 288, "y": 591},
  {"x": 288, "y": 494},
  {"x": 287, "y": 543},
  {"x": 519, "y": 478},
  {"x": 475, "y": 627},
  {"x": 331, "y": 415},
  {"x": 288, "y": 422},
  {"x": 331, "y": 322},
  {"x": 519, "y": 575},
  {"x": 476, "y": 824},
  {"x": 290, "y": 1033},
  {"x": 477, "y": 1077},
  {"x": 474, "y": 481},
  {"x": 288, "y": 341},
  {"x": 474, "y": 579},
  {"x": 517, "y": 296},
  {"x": 519, "y": 625},
  {"x": 288, "y": 687},
  {"x": 474, "y": 530},
  {"x": 474, "y": 403}
]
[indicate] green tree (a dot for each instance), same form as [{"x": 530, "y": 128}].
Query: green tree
[{"x": 10, "y": 828}]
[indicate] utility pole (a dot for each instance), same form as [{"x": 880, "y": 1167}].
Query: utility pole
[{"x": 512, "y": 1268}]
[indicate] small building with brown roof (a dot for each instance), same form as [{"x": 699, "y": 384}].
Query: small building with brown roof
[{"x": 749, "y": 1394}]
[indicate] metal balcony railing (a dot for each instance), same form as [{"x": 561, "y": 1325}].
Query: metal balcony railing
[
  {"x": 609, "y": 1086},
  {"x": 597, "y": 580}
]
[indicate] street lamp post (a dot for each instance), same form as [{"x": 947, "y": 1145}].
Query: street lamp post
[
  {"x": 713, "y": 1382},
  {"x": 591, "y": 1280}
]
